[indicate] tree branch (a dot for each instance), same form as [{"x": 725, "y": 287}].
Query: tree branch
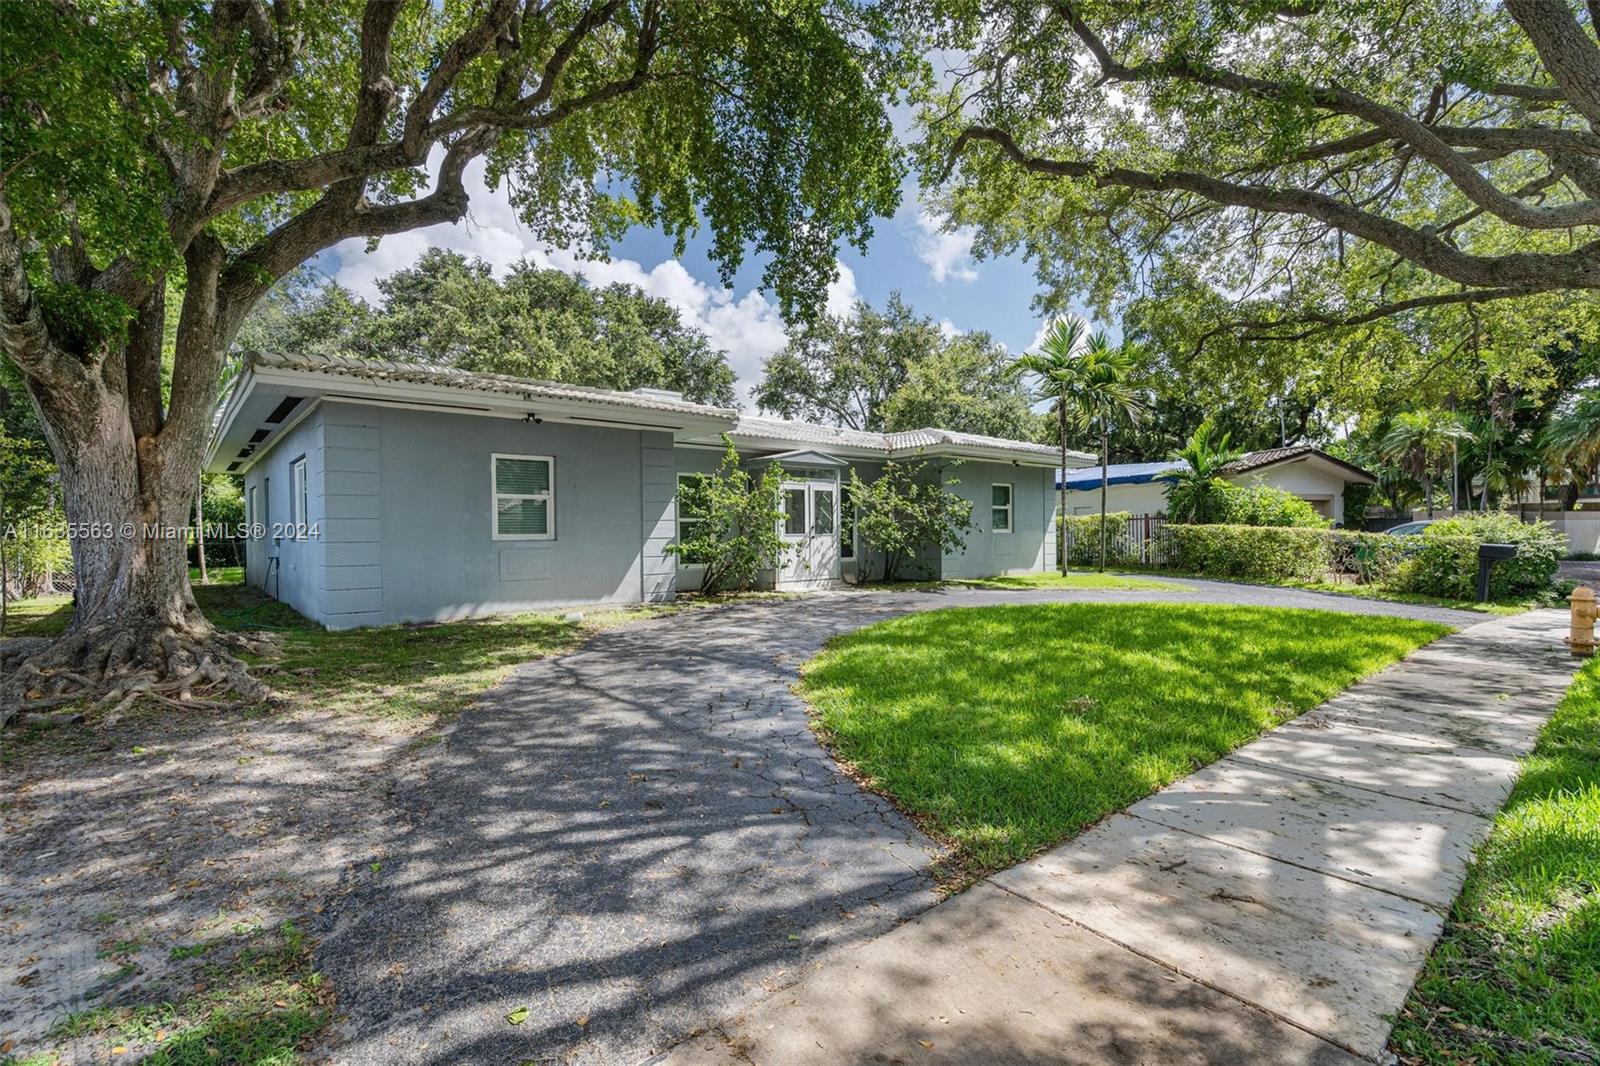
[
  {"x": 25, "y": 336},
  {"x": 1579, "y": 269},
  {"x": 1564, "y": 49}
]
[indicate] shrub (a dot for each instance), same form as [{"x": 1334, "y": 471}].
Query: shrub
[
  {"x": 1269, "y": 553},
  {"x": 1372, "y": 558},
  {"x": 732, "y": 522},
  {"x": 1263, "y": 505},
  {"x": 1445, "y": 559},
  {"x": 1083, "y": 537},
  {"x": 910, "y": 507}
]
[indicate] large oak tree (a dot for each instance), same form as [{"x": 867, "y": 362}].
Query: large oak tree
[
  {"x": 1312, "y": 164},
  {"x": 213, "y": 148}
]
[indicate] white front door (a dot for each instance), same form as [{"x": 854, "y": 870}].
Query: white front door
[{"x": 810, "y": 529}]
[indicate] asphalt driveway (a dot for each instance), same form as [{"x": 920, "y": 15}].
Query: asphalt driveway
[{"x": 618, "y": 847}]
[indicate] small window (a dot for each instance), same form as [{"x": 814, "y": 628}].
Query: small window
[
  {"x": 694, "y": 507},
  {"x": 524, "y": 497},
  {"x": 794, "y": 512},
  {"x": 822, "y": 512},
  {"x": 297, "y": 501},
  {"x": 1000, "y": 508}
]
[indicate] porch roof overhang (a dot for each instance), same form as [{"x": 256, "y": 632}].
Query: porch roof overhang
[{"x": 804, "y": 457}]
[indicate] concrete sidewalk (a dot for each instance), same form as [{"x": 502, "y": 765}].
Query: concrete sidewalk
[{"x": 1275, "y": 906}]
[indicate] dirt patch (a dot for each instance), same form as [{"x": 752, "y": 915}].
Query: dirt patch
[{"x": 141, "y": 857}]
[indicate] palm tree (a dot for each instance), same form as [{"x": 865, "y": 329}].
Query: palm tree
[
  {"x": 1420, "y": 439},
  {"x": 1191, "y": 494},
  {"x": 1086, "y": 379},
  {"x": 1572, "y": 440}
]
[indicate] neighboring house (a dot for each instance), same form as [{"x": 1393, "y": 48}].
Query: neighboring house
[
  {"x": 1139, "y": 488},
  {"x": 394, "y": 492}
]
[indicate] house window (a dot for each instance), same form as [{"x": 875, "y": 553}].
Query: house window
[
  {"x": 822, "y": 512},
  {"x": 694, "y": 507},
  {"x": 1000, "y": 508},
  {"x": 794, "y": 512},
  {"x": 297, "y": 499},
  {"x": 524, "y": 497}
]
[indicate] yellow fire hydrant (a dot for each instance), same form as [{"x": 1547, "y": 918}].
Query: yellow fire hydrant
[{"x": 1583, "y": 614}]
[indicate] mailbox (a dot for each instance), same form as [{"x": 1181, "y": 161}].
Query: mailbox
[{"x": 1488, "y": 555}]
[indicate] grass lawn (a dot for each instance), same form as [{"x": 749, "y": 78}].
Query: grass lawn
[
  {"x": 1516, "y": 977},
  {"x": 1004, "y": 730},
  {"x": 408, "y": 672},
  {"x": 1370, "y": 592},
  {"x": 1073, "y": 579}
]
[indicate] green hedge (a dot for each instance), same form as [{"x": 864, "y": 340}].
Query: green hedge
[
  {"x": 1083, "y": 538},
  {"x": 1444, "y": 559},
  {"x": 1263, "y": 505},
  {"x": 1268, "y": 553},
  {"x": 1371, "y": 558}
]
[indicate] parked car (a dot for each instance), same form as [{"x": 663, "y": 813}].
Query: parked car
[{"x": 1410, "y": 529}]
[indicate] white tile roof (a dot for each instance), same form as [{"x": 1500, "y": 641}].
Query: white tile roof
[
  {"x": 504, "y": 384},
  {"x": 889, "y": 444}
]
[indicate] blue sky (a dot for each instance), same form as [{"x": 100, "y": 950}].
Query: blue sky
[{"x": 935, "y": 271}]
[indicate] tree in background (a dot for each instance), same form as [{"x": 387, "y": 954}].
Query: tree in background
[
  {"x": 1419, "y": 440},
  {"x": 728, "y": 523},
  {"x": 449, "y": 310},
  {"x": 213, "y": 149},
  {"x": 1196, "y": 493},
  {"x": 909, "y": 508},
  {"x": 842, "y": 370},
  {"x": 1572, "y": 442},
  {"x": 29, "y": 500},
  {"x": 963, "y": 385}
]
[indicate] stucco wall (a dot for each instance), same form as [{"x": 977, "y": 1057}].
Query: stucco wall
[
  {"x": 404, "y": 500},
  {"x": 296, "y": 579},
  {"x": 1147, "y": 498},
  {"x": 988, "y": 553}
]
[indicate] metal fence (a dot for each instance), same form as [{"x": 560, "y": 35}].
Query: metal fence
[{"x": 1134, "y": 541}]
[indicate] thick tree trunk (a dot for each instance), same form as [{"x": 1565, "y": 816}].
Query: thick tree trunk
[{"x": 135, "y": 628}]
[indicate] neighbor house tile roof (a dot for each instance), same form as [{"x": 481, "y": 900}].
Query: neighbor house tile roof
[
  {"x": 473, "y": 381},
  {"x": 1272, "y": 456}
]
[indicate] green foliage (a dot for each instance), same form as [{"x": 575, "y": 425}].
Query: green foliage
[
  {"x": 1358, "y": 498},
  {"x": 908, "y": 510},
  {"x": 1445, "y": 562},
  {"x": 963, "y": 385},
  {"x": 1516, "y": 975},
  {"x": 893, "y": 370},
  {"x": 1196, "y": 492},
  {"x": 1003, "y": 730},
  {"x": 1264, "y": 505},
  {"x": 1420, "y": 440},
  {"x": 1083, "y": 538},
  {"x": 1267, "y": 553},
  {"x": 732, "y": 520},
  {"x": 1371, "y": 558},
  {"x": 451, "y": 311}
]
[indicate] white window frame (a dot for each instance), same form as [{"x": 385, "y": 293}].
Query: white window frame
[
  {"x": 1010, "y": 508},
  {"x": 299, "y": 504},
  {"x": 495, "y": 496}
]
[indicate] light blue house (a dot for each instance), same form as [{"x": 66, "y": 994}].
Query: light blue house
[{"x": 394, "y": 492}]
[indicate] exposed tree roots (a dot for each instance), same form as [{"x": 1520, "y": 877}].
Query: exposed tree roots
[{"x": 114, "y": 666}]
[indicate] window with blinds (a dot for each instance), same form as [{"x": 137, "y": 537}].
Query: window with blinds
[{"x": 524, "y": 497}]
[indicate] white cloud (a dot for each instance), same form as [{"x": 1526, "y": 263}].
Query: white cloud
[
  {"x": 749, "y": 327},
  {"x": 947, "y": 253}
]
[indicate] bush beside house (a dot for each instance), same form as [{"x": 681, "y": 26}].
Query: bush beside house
[{"x": 1263, "y": 505}]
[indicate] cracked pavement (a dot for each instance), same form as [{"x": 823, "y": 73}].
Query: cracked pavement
[{"x": 617, "y": 847}]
